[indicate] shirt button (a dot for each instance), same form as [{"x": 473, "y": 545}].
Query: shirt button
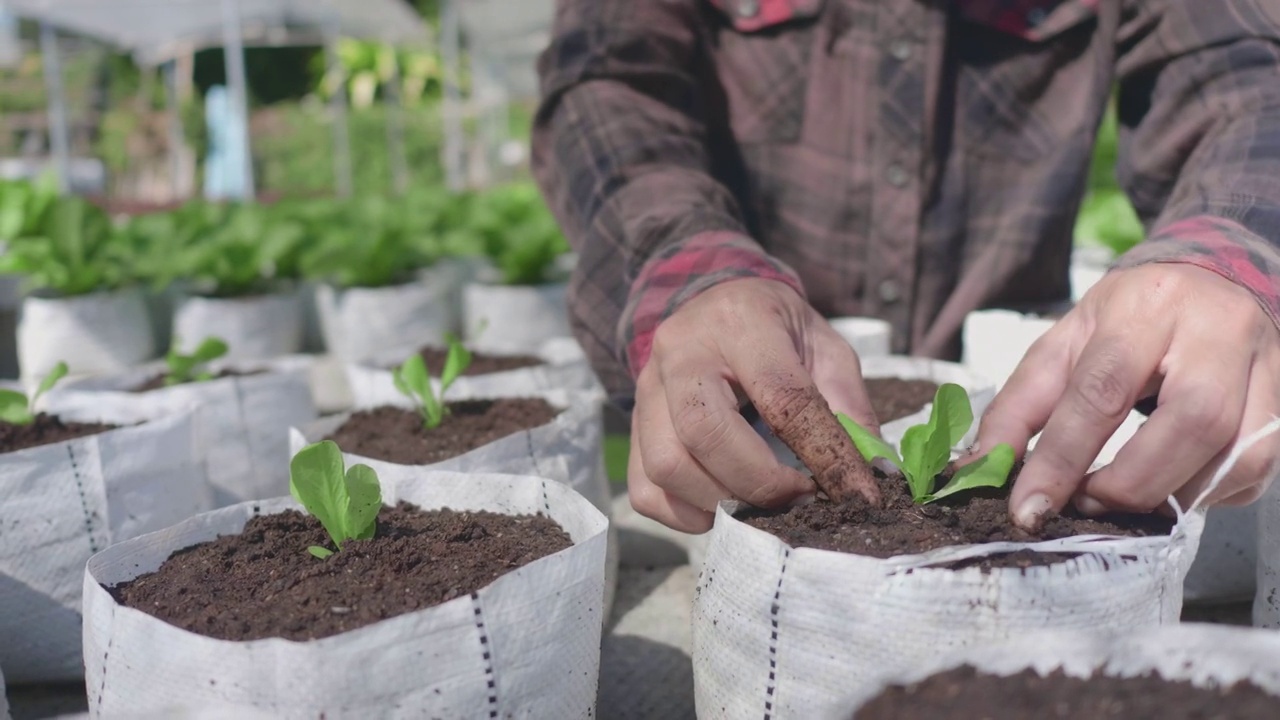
[
  {"x": 896, "y": 175},
  {"x": 747, "y": 8},
  {"x": 890, "y": 291},
  {"x": 900, "y": 49}
]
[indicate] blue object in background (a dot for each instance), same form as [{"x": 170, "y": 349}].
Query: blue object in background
[{"x": 224, "y": 170}]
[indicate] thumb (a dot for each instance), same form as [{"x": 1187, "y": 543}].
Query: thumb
[{"x": 837, "y": 373}]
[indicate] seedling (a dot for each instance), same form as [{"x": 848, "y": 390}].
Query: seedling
[
  {"x": 190, "y": 368},
  {"x": 17, "y": 409},
  {"x": 413, "y": 381},
  {"x": 345, "y": 500},
  {"x": 926, "y": 449}
]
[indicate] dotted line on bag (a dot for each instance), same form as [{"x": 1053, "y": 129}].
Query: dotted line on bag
[
  {"x": 84, "y": 501},
  {"x": 773, "y": 639},
  {"x": 488, "y": 656}
]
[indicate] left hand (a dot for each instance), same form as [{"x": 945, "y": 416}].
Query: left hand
[{"x": 1199, "y": 341}]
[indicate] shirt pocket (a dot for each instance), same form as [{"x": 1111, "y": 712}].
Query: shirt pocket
[{"x": 762, "y": 52}]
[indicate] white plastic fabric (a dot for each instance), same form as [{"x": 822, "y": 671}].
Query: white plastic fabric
[
  {"x": 244, "y": 420},
  {"x": 1204, "y": 655},
  {"x": 995, "y": 341},
  {"x": 99, "y": 333},
  {"x": 61, "y": 503},
  {"x": 527, "y": 645},
  {"x": 363, "y": 323},
  {"x": 576, "y": 435},
  {"x": 514, "y": 318},
  {"x": 869, "y": 337},
  {"x": 371, "y": 382},
  {"x": 262, "y": 327}
]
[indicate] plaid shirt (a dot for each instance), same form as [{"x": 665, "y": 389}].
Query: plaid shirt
[{"x": 906, "y": 159}]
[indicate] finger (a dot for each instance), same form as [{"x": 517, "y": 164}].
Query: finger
[
  {"x": 772, "y": 374},
  {"x": 1024, "y": 404},
  {"x": 666, "y": 461},
  {"x": 705, "y": 422},
  {"x": 1112, "y": 369},
  {"x": 837, "y": 373},
  {"x": 653, "y": 502}
]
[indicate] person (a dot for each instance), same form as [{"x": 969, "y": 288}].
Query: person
[{"x": 733, "y": 171}]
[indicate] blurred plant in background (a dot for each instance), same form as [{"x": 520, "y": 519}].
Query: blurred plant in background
[{"x": 1107, "y": 218}]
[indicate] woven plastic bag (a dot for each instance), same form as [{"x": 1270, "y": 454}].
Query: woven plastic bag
[
  {"x": 103, "y": 332},
  {"x": 360, "y": 324},
  {"x": 63, "y": 502},
  {"x": 995, "y": 341},
  {"x": 527, "y": 645},
  {"x": 869, "y": 337},
  {"x": 262, "y": 327},
  {"x": 513, "y": 318},
  {"x": 244, "y": 420},
  {"x": 1204, "y": 655}
]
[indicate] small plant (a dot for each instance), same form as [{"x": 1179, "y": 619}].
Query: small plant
[
  {"x": 413, "y": 381},
  {"x": 519, "y": 233},
  {"x": 926, "y": 449},
  {"x": 190, "y": 368},
  {"x": 346, "y": 501},
  {"x": 17, "y": 409}
]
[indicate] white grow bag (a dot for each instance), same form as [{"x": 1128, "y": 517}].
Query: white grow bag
[
  {"x": 1203, "y": 655},
  {"x": 261, "y": 327},
  {"x": 869, "y": 337},
  {"x": 363, "y": 323},
  {"x": 995, "y": 341},
  {"x": 103, "y": 332},
  {"x": 244, "y": 420},
  {"x": 514, "y": 318},
  {"x": 527, "y": 645},
  {"x": 575, "y": 436},
  {"x": 62, "y": 503}
]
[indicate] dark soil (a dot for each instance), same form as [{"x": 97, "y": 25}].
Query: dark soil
[
  {"x": 895, "y": 398},
  {"x": 263, "y": 583},
  {"x": 481, "y": 364},
  {"x": 900, "y": 527},
  {"x": 157, "y": 381},
  {"x": 46, "y": 430},
  {"x": 966, "y": 694},
  {"x": 397, "y": 435}
]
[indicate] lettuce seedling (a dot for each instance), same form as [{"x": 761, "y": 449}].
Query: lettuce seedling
[
  {"x": 413, "y": 381},
  {"x": 926, "y": 449},
  {"x": 189, "y": 368},
  {"x": 346, "y": 501},
  {"x": 17, "y": 409}
]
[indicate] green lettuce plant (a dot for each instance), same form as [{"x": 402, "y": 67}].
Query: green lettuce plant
[
  {"x": 190, "y": 368},
  {"x": 346, "y": 501},
  {"x": 414, "y": 382},
  {"x": 371, "y": 241},
  {"x": 17, "y": 409},
  {"x": 926, "y": 449},
  {"x": 70, "y": 248},
  {"x": 519, "y": 233}
]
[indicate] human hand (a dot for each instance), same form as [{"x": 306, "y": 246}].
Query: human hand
[
  {"x": 1201, "y": 342},
  {"x": 760, "y": 341}
]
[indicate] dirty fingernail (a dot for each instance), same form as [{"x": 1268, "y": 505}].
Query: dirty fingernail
[
  {"x": 1031, "y": 510},
  {"x": 1089, "y": 506}
]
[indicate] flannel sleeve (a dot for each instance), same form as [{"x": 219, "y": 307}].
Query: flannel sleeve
[
  {"x": 1199, "y": 110},
  {"x": 621, "y": 150}
]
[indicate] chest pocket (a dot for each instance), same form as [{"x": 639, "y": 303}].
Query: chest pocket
[{"x": 762, "y": 51}]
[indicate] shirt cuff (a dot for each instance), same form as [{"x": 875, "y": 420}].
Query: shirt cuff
[
  {"x": 1219, "y": 245},
  {"x": 679, "y": 273}
]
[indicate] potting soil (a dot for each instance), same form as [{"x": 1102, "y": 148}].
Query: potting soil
[
  {"x": 966, "y": 694},
  {"x": 481, "y": 363},
  {"x": 397, "y": 435},
  {"x": 895, "y": 398},
  {"x": 157, "y": 381},
  {"x": 45, "y": 430},
  {"x": 264, "y": 583}
]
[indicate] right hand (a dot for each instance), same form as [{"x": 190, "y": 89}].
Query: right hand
[{"x": 744, "y": 340}]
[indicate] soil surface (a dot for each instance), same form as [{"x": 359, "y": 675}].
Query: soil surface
[
  {"x": 263, "y": 583},
  {"x": 46, "y": 430},
  {"x": 397, "y": 435},
  {"x": 481, "y": 364},
  {"x": 966, "y": 694},
  {"x": 157, "y": 381},
  {"x": 900, "y": 527},
  {"x": 895, "y": 398}
]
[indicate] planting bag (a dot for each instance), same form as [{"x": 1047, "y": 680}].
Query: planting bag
[
  {"x": 526, "y": 645},
  {"x": 62, "y": 503},
  {"x": 514, "y": 318},
  {"x": 995, "y": 341},
  {"x": 255, "y": 328},
  {"x": 1204, "y": 655},
  {"x": 869, "y": 337},
  {"x": 362, "y": 323},
  {"x": 244, "y": 420},
  {"x": 104, "y": 332}
]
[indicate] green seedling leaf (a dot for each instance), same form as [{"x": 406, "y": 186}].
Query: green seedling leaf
[
  {"x": 58, "y": 372},
  {"x": 186, "y": 368},
  {"x": 869, "y": 445},
  {"x": 457, "y": 362},
  {"x": 926, "y": 449},
  {"x": 992, "y": 470},
  {"x": 412, "y": 380},
  {"x": 345, "y": 501},
  {"x": 17, "y": 409}
]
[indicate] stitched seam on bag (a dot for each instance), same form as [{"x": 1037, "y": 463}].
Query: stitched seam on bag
[
  {"x": 488, "y": 656},
  {"x": 773, "y": 639},
  {"x": 111, "y": 639},
  {"x": 533, "y": 457},
  {"x": 546, "y": 504},
  {"x": 84, "y": 502}
]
